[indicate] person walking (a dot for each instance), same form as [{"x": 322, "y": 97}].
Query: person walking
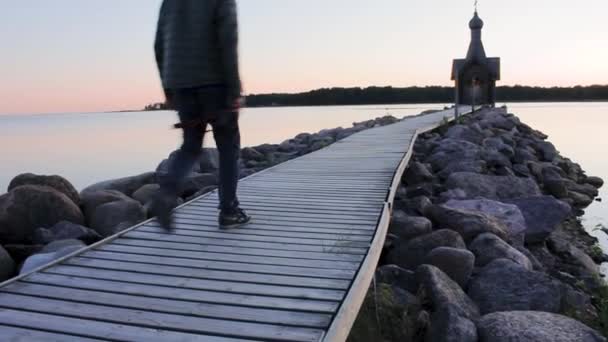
[{"x": 196, "y": 52}]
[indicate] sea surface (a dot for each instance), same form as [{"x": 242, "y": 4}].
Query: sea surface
[{"x": 87, "y": 148}]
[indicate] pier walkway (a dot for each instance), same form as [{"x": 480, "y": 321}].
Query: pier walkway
[{"x": 298, "y": 272}]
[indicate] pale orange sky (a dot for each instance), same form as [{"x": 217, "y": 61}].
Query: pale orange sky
[{"x": 75, "y": 56}]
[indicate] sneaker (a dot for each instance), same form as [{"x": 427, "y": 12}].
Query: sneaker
[
  {"x": 233, "y": 219},
  {"x": 162, "y": 207}
]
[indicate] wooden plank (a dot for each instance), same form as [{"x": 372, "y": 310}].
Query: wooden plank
[
  {"x": 172, "y": 306},
  {"x": 119, "y": 285},
  {"x": 293, "y": 212},
  {"x": 155, "y": 320},
  {"x": 13, "y": 334},
  {"x": 226, "y": 266},
  {"x": 250, "y": 235},
  {"x": 288, "y": 207},
  {"x": 209, "y": 274},
  {"x": 202, "y": 284},
  {"x": 334, "y": 248},
  {"x": 240, "y": 251},
  {"x": 98, "y": 329},
  {"x": 251, "y": 260}
]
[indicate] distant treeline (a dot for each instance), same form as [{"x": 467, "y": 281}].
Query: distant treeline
[{"x": 435, "y": 94}]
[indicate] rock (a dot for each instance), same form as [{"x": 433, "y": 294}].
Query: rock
[
  {"x": 580, "y": 200},
  {"x": 498, "y": 144},
  {"x": 92, "y": 200},
  {"x": 22, "y": 252},
  {"x": 127, "y": 185},
  {"x": 7, "y": 265},
  {"x": 413, "y": 206},
  {"x": 56, "y": 182},
  {"x": 50, "y": 253},
  {"x": 409, "y": 227},
  {"x": 146, "y": 193},
  {"x": 65, "y": 230},
  {"x": 444, "y": 293},
  {"x": 194, "y": 183},
  {"x": 534, "y": 326},
  {"x": 489, "y": 247},
  {"x": 586, "y": 189},
  {"x": 453, "y": 194},
  {"x": 509, "y": 214},
  {"x": 108, "y": 216},
  {"x": 200, "y": 193},
  {"x": 249, "y": 153},
  {"x": 495, "y": 159},
  {"x": 411, "y": 254},
  {"x": 474, "y": 166},
  {"x": 543, "y": 214},
  {"x": 546, "y": 150},
  {"x": 466, "y": 133},
  {"x": 382, "y": 318},
  {"x": 449, "y": 151},
  {"x": 492, "y": 187},
  {"x": 396, "y": 276},
  {"x": 28, "y": 207},
  {"x": 421, "y": 189},
  {"x": 559, "y": 243},
  {"x": 448, "y": 326},
  {"x": 504, "y": 285},
  {"x": 469, "y": 224},
  {"x": 596, "y": 182},
  {"x": 456, "y": 263},
  {"x": 556, "y": 187},
  {"x": 523, "y": 156},
  {"x": 209, "y": 161},
  {"x": 417, "y": 173}
]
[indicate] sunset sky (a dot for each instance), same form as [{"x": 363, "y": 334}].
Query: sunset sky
[{"x": 96, "y": 55}]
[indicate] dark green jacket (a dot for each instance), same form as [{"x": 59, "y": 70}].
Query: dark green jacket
[{"x": 196, "y": 44}]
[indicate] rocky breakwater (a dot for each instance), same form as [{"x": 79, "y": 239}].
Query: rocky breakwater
[
  {"x": 485, "y": 243},
  {"x": 43, "y": 218}
]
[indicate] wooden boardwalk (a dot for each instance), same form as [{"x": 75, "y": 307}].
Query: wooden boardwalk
[{"x": 298, "y": 272}]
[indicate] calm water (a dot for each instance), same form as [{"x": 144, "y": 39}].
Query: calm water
[{"x": 86, "y": 148}]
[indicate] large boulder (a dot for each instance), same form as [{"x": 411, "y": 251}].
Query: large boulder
[
  {"x": 467, "y": 222},
  {"x": 444, "y": 293},
  {"x": 108, "y": 217},
  {"x": 534, "y": 326},
  {"x": 28, "y": 207},
  {"x": 493, "y": 187},
  {"x": 489, "y": 247},
  {"x": 408, "y": 227},
  {"x": 65, "y": 230},
  {"x": 249, "y": 153},
  {"x": 146, "y": 193},
  {"x": 467, "y": 133},
  {"x": 448, "y": 326},
  {"x": 504, "y": 285},
  {"x": 509, "y": 214},
  {"x": 417, "y": 173},
  {"x": 543, "y": 214},
  {"x": 56, "y": 182},
  {"x": 197, "y": 182},
  {"x": 474, "y": 166},
  {"x": 449, "y": 151},
  {"x": 209, "y": 160},
  {"x": 93, "y": 199},
  {"x": 596, "y": 182},
  {"x": 411, "y": 254},
  {"x": 127, "y": 185},
  {"x": 396, "y": 276},
  {"x": 7, "y": 265},
  {"x": 455, "y": 262}
]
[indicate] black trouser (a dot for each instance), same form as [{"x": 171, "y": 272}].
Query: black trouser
[{"x": 198, "y": 108}]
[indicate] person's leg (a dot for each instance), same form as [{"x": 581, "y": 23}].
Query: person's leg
[
  {"x": 228, "y": 140},
  {"x": 189, "y": 110}
]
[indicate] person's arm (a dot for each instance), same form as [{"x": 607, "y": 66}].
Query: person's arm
[{"x": 227, "y": 29}]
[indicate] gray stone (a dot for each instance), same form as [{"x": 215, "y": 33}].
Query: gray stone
[
  {"x": 444, "y": 293},
  {"x": 492, "y": 187},
  {"x": 509, "y": 214},
  {"x": 543, "y": 214},
  {"x": 62, "y": 244},
  {"x": 51, "y": 253},
  {"x": 469, "y": 224},
  {"x": 521, "y": 170},
  {"x": 250, "y": 153},
  {"x": 499, "y": 145},
  {"x": 495, "y": 159},
  {"x": 586, "y": 189},
  {"x": 417, "y": 173},
  {"x": 448, "y": 326},
  {"x": 556, "y": 187},
  {"x": 597, "y": 182},
  {"x": 421, "y": 189},
  {"x": 449, "y": 151},
  {"x": 196, "y": 182},
  {"x": 534, "y": 326},
  {"x": 559, "y": 243},
  {"x": 474, "y": 166},
  {"x": 453, "y": 194},
  {"x": 126, "y": 185},
  {"x": 28, "y": 207},
  {"x": 209, "y": 160},
  {"x": 92, "y": 200},
  {"x": 489, "y": 247},
  {"x": 456, "y": 263},
  {"x": 546, "y": 150},
  {"x": 504, "y": 285},
  {"x": 467, "y": 133},
  {"x": 523, "y": 156},
  {"x": 397, "y": 276},
  {"x": 56, "y": 182},
  {"x": 409, "y": 227},
  {"x": 7, "y": 265},
  {"x": 146, "y": 193},
  {"x": 580, "y": 200},
  {"x": 414, "y": 206},
  {"x": 411, "y": 254},
  {"x": 108, "y": 216},
  {"x": 65, "y": 230}
]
